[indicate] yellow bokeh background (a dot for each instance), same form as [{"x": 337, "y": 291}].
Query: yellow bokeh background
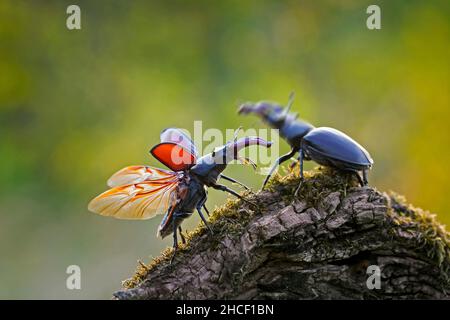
[{"x": 76, "y": 105}]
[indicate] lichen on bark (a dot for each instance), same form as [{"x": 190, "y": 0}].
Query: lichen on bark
[{"x": 315, "y": 246}]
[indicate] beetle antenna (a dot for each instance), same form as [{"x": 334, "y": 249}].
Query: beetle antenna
[
  {"x": 236, "y": 133},
  {"x": 290, "y": 101},
  {"x": 288, "y": 106}
]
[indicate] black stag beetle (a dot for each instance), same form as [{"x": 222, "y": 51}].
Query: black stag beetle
[
  {"x": 141, "y": 192},
  {"x": 326, "y": 146}
]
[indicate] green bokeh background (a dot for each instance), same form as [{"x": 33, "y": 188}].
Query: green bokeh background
[{"x": 75, "y": 106}]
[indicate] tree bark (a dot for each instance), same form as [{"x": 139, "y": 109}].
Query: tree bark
[{"x": 316, "y": 246}]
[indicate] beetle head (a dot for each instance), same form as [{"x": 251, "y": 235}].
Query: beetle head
[{"x": 272, "y": 113}]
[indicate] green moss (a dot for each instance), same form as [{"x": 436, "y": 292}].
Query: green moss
[
  {"x": 317, "y": 184},
  {"x": 431, "y": 235}
]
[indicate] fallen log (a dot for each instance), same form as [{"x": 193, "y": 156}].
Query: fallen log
[{"x": 335, "y": 240}]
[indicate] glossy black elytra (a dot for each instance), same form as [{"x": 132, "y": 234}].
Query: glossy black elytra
[{"x": 326, "y": 146}]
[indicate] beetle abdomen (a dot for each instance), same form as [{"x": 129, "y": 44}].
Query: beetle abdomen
[{"x": 336, "y": 145}]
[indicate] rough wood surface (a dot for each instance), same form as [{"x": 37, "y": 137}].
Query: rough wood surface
[{"x": 317, "y": 246}]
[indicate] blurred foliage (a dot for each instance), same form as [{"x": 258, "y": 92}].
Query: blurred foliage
[{"x": 75, "y": 106}]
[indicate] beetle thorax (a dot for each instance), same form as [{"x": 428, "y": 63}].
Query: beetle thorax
[{"x": 294, "y": 130}]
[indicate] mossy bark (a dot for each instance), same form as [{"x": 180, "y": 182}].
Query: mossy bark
[{"x": 316, "y": 246}]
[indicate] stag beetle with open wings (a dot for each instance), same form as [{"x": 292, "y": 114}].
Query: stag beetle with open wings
[{"x": 141, "y": 192}]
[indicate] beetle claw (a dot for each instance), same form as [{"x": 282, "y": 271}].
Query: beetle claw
[
  {"x": 174, "y": 253},
  {"x": 298, "y": 188}
]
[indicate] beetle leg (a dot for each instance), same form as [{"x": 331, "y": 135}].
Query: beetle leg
[
  {"x": 305, "y": 157},
  {"x": 234, "y": 193},
  {"x": 360, "y": 180},
  {"x": 206, "y": 209},
  {"x": 175, "y": 239},
  {"x": 199, "y": 210},
  {"x": 183, "y": 239},
  {"x": 234, "y": 181},
  {"x": 300, "y": 159},
  {"x": 365, "y": 182},
  {"x": 279, "y": 161}
]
